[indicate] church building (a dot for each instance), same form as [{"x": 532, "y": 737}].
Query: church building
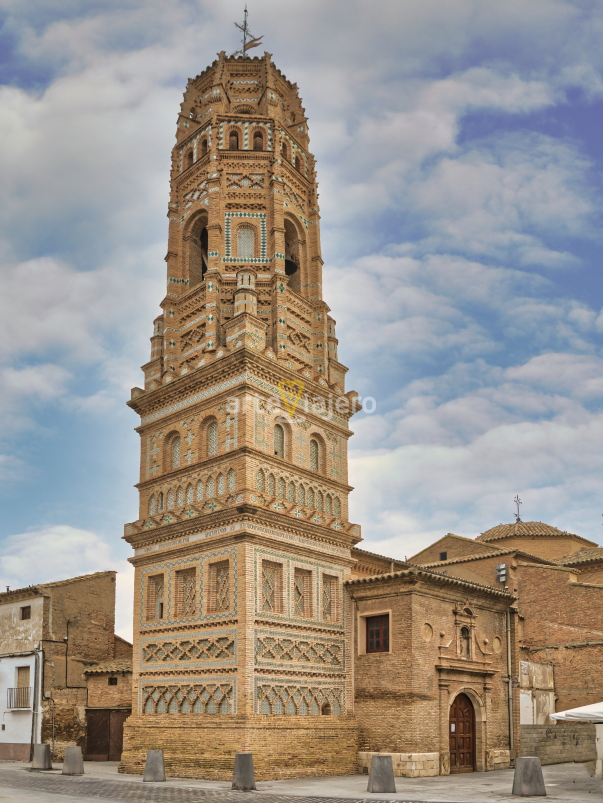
[{"x": 259, "y": 624}]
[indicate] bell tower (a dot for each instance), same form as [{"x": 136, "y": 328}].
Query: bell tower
[{"x": 242, "y": 631}]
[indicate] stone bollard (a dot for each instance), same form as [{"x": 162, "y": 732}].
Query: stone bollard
[
  {"x": 154, "y": 768},
  {"x": 74, "y": 761},
  {"x": 381, "y": 776},
  {"x": 41, "y": 757},
  {"x": 528, "y": 780},
  {"x": 243, "y": 778}
]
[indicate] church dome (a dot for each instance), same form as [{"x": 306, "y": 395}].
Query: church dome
[{"x": 530, "y": 529}]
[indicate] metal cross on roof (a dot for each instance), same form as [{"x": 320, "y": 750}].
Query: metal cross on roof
[
  {"x": 249, "y": 40},
  {"x": 518, "y": 502}
]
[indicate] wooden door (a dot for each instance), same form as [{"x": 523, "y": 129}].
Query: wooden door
[
  {"x": 462, "y": 735},
  {"x": 97, "y": 735},
  {"x": 116, "y": 733}
]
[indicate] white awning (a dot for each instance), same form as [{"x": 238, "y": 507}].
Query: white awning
[{"x": 585, "y": 713}]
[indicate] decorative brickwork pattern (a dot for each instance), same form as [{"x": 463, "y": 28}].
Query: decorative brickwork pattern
[
  {"x": 194, "y": 698},
  {"x": 274, "y": 648},
  {"x": 207, "y": 648},
  {"x": 293, "y": 699}
]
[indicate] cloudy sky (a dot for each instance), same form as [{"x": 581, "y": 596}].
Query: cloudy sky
[{"x": 460, "y": 161}]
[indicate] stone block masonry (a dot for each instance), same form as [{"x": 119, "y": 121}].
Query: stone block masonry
[
  {"x": 406, "y": 765},
  {"x": 555, "y": 744}
]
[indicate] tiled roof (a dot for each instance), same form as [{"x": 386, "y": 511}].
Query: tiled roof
[
  {"x": 583, "y": 556},
  {"x": 529, "y": 528},
  {"x": 375, "y": 555},
  {"x": 429, "y": 574},
  {"x": 110, "y": 667},
  {"x": 493, "y": 554},
  {"x": 38, "y": 588}
]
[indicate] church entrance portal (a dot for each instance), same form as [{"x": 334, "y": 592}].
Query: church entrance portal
[{"x": 462, "y": 735}]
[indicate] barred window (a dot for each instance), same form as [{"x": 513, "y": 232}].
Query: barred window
[
  {"x": 199, "y": 491},
  {"x": 313, "y": 455},
  {"x": 302, "y": 590},
  {"x": 190, "y": 495},
  {"x": 212, "y": 439},
  {"x": 175, "y": 447},
  {"x": 310, "y": 498},
  {"x": 259, "y": 481},
  {"x": 281, "y": 488},
  {"x": 337, "y": 506},
  {"x": 219, "y": 587},
  {"x": 155, "y": 594},
  {"x": 186, "y": 592},
  {"x": 328, "y": 507},
  {"x": 279, "y": 441},
  {"x": 319, "y": 501},
  {"x": 160, "y": 503},
  {"x": 170, "y": 499},
  {"x": 232, "y": 480},
  {"x": 271, "y": 484},
  {"x": 301, "y": 495},
  {"x": 329, "y": 598},
  {"x": 291, "y": 492},
  {"x": 233, "y": 141},
  {"x": 221, "y": 484},
  {"x": 258, "y": 141},
  {"x": 180, "y": 497},
  {"x": 210, "y": 488},
  {"x": 245, "y": 243},
  {"x": 152, "y": 505},
  {"x": 272, "y": 585}
]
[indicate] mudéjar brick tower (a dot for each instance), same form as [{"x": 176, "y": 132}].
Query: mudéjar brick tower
[{"x": 242, "y": 635}]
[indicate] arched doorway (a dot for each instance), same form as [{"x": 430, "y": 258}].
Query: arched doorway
[{"x": 462, "y": 735}]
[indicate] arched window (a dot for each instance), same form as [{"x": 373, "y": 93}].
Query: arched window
[
  {"x": 291, "y": 492},
  {"x": 319, "y": 501},
  {"x": 160, "y": 503},
  {"x": 232, "y": 480},
  {"x": 170, "y": 499},
  {"x": 279, "y": 441},
  {"x": 314, "y": 451},
  {"x": 326, "y": 709},
  {"x": 245, "y": 243},
  {"x": 271, "y": 484},
  {"x": 233, "y": 141},
  {"x": 175, "y": 450},
  {"x": 203, "y": 147},
  {"x": 210, "y": 488},
  {"x": 258, "y": 141},
  {"x": 336, "y": 506},
  {"x": 212, "y": 439},
  {"x": 199, "y": 491},
  {"x": 189, "y": 159},
  {"x": 221, "y": 484},
  {"x": 298, "y": 163},
  {"x": 292, "y": 256},
  {"x": 292, "y": 117},
  {"x": 310, "y": 498},
  {"x": 328, "y": 506},
  {"x": 259, "y": 481},
  {"x": 301, "y": 495},
  {"x": 465, "y": 644},
  {"x": 180, "y": 497},
  {"x": 152, "y": 505},
  {"x": 280, "y": 488},
  {"x": 190, "y": 495},
  {"x": 285, "y": 151}
]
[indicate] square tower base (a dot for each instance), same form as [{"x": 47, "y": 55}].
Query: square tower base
[{"x": 282, "y": 747}]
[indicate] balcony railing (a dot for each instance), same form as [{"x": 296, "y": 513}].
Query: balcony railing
[{"x": 19, "y": 698}]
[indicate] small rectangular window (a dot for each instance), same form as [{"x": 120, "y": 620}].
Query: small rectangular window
[
  {"x": 329, "y": 598},
  {"x": 23, "y": 674},
  {"x": 186, "y": 592},
  {"x": 155, "y": 598},
  {"x": 219, "y": 587},
  {"x": 443, "y": 555},
  {"x": 302, "y": 593},
  {"x": 26, "y": 612},
  {"x": 112, "y": 681},
  {"x": 377, "y": 633},
  {"x": 272, "y": 587}
]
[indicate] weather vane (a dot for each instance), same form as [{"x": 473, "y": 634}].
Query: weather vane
[
  {"x": 518, "y": 502},
  {"x": 249, "y": 40}
]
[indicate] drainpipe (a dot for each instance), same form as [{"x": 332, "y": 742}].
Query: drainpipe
[
  {"x": 34, "y": 704},
  {"x": 509, "y": 671}
]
